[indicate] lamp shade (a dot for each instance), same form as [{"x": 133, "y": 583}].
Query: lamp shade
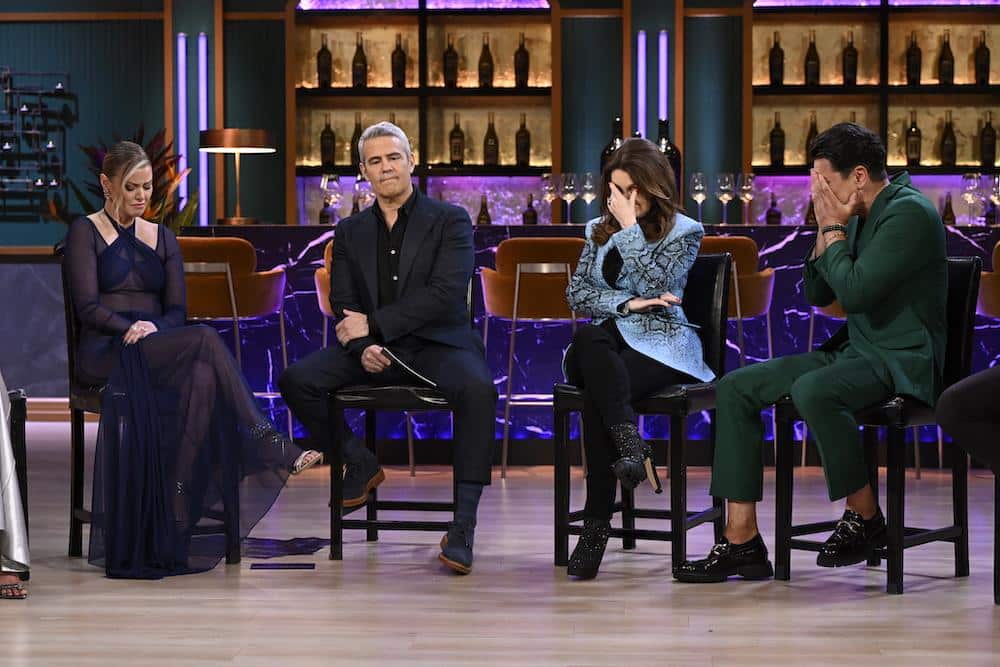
[{"x": 232, "y": 140}]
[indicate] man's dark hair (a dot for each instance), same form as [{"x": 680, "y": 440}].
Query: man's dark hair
[{"x": 848, "y": 145}]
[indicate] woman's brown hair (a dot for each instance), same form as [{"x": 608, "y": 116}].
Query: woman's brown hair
[{"x": 652, "y": 175}]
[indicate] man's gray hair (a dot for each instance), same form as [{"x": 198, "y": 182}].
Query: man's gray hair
[{"x": 384, "y": 129}]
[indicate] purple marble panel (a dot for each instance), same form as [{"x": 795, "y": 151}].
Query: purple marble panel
[{"x": 539, "y": 346}]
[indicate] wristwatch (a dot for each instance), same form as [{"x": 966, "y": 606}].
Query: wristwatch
[{"x": 834, "y": 228}]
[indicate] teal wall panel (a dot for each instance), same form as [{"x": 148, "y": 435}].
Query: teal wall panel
[
  {"x": 713, "y": 52},
  {"x": 653, "y": 16},
  {"x": 116, "y": 75},
  {"x": 592, "y": 92},
  {"x": 255, "y": 98},
  {"x": 81, "y": 6}
]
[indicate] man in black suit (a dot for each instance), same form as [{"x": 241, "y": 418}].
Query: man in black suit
[{"x": 400, "y": 275}]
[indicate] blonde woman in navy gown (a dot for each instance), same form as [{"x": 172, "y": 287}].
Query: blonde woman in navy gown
[{"x": 181, "y": 437}]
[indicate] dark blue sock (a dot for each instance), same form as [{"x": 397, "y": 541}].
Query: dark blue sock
[{"x": 467, "y": 502}]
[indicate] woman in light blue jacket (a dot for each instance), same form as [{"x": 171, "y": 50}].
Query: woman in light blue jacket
[{"x": 630, "y": 280}]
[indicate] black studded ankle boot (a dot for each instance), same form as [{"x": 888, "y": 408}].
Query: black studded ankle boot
[
  {"x": 589, "y": 551},
  {"x": 635, "y": 462}
]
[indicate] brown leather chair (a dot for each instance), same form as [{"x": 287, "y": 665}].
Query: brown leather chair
[
  {"x": 541, "y": 269},
  {"x": 752, "y": 288},
  {"x": 988, "y": 303},
  {"x": 223, "y": 283}
]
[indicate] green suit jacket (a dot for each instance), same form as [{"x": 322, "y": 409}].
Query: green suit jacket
[{"x": 891, "y": 278}]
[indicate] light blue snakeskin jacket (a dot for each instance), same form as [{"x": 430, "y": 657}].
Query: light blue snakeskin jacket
[{"x": 649, "y": 269}]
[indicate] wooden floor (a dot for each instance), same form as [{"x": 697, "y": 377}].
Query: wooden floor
[{"x": 391, "y": 603}]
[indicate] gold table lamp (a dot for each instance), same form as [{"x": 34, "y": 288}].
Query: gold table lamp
[{"x": 237, "y": 142}]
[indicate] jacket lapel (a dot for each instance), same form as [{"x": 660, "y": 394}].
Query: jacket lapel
[
  {"x": 417, "y": 226},
  {"x": 367, "y": 246}
]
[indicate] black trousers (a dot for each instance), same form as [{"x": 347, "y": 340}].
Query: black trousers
[
  {"x": 612, "y": 376},
  {"x": 460, "y": 373},
  {"x": 967, "y": 411}
]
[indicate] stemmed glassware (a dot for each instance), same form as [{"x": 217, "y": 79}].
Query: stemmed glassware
[
  {"x": 725, "y": 194},
  {"x": 970, "y": 191},
  {"x": 329, "y": 185},
  {"x": 548, "y": 189},
  {"x": 588, "y": 190},
  {"x": 569, "y": 190},
  {"x": 363, "y": 190},
  {"x": 995, "y": 191},
  {"x": 746, "y": 195},
  {"x": 699, "y": 192}
]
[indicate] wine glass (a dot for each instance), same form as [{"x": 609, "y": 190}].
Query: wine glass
[
  {"x": 363, "y": 191},
  {"x": 995, "y": 192},
  {"x": 588, "y": 191},
  {"x": 548, "y": 188},
  {"x": 970, "y": 191},
  {"x": 698, "y": 190},
  {"x": 569, "y": 190},
  {"x": 746, "y": 195},
  {"x": 725, "y": 194}
]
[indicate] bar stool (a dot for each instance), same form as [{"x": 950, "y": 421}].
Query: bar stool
[
  {"x": 223, "y": 284},
  {"x": 541, "y": 268},
  {"x": 752, "y": 289},
  {"x": 322, "y": 280}
]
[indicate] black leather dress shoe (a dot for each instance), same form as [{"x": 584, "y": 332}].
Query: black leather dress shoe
[
  {"x": 747, "y": 560},
  {"x": 853, "y": 540},
  {"x": 456, "y": 547},
  {"x": 361, "y": 476}
]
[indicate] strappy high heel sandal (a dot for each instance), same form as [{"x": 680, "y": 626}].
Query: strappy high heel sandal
[
  {"x": 13, "y": 591},
  {"x": 306, "y": 460},
  {"x": 636, "y": 458}
]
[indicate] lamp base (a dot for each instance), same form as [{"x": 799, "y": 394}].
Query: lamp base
[{"x": 237, "y": 221}]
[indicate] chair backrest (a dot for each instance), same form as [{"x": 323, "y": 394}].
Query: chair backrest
[
  {"x": 72, "y": 322},
  {"x": 328, "y": 256},
  {"x": 834, "y": 310},
  {"x": 238, "y": 253},
  {"x": 706, "y": 303},
  {"x": 746, "y": 254},
  {"x": 963, "y": 290},
  {"x": 512, "y": 252},
  {"x": 995, "y": 260}
]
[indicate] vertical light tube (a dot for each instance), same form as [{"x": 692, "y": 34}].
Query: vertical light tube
[
  {"x": 640, "y": 83},
  {"x": 182, "y": 115},
  {"x": 661, "y": 107},
  {"x": 202, "y": 125}
]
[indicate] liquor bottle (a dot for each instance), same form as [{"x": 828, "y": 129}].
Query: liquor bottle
[
  {"x": 913, "y": 141},
  {"x": 324, "y": 64},
  {"x": 988, "y": 143},
  {"x": 325, "y": 213},
  {"x": 776, "y": 62},
  {"x": 948, "y": 213},
  {"x": 811, "y": 213},
  {"x": 946, "y": 62},
  {"x": 522, "y": 144},
  {"x": 355, "y": 155},
  {"x": 982, "y": 61},
  {"x": 812, "y": 61},
  {"x": 530, "y": 215},
  {"x": 491, "y": 145},
  {"x": 327, "y": 145},
  {"x": 355, "y": 205},
  {"x": 811, "y": 134},
  {"x": 450, "y": 59},
  {"x": 456, "y": 144},
  {"x": 850, "y": 61},
  {"x": 913, "y": 61},
  {"x": 948, "y": 144},
  {"x": 521, "y": 62},
  {"x": 486, "y": 64},
  {"x": 853, "y": 117},
  {"x": 615, "y": 143},
  {"x": 399, "y": 64},
  {"x": 359, "y": 66},
  {"x": 777, "y": 142},
  {"x": 392, "y": 118},
  {"x": 773, "y": 214},
  {"x": 484, "y": 212},
  {"x": 673, "y": 153}
]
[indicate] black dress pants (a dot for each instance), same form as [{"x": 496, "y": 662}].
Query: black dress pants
[
  {"x": 968, "y": 412},
  {"x": 612, "y": 375},
  {"x": 460, "y": 373}
]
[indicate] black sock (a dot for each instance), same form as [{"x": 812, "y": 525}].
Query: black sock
[{"x": 467, "y": 502}]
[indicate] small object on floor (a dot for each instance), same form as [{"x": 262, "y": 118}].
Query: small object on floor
[{"x": 283, "y": 566}]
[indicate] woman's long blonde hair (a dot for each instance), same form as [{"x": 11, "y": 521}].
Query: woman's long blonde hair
[{"x": 121, "y": 161}]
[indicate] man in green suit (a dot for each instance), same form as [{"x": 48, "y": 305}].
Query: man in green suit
[{"x": 880, "y": 252}]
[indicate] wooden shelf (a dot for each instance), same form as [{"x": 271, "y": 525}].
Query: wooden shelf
[
  {"x": 476, "y": 170},
  {"x": 798, "y": 11},
  {"x": 825, "y": 89},
  {"x": 937, "y": 89},
  {"x": 308, "y": 93},
  {"x": 496, "y": 91},
  {"x": 957, "y": 170},
  {"x": 311, "y": 16}
]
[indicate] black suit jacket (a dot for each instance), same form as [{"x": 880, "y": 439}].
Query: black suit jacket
[{"x": 435, "y": 267}]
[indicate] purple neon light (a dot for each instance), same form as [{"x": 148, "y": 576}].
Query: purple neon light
[
  {"x": 640, "y": 83},
  {"x": 202, "y": 125},
  {"x": 182, "y": 119},
  {"x": 308, "y": 5},
  {"x": 661, "y": 106}
]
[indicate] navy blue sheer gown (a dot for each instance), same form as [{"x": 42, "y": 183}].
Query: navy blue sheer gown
[{"x": 183, "y": 452}]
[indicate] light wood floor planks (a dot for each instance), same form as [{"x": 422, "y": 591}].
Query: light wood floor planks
[{"x": 391, "y": 603}]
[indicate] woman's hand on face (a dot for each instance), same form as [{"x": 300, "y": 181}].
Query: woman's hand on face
[
  {"x": 139, "y": 330},
  {"x": 622, "y": 207},
  {"x": 640, "y": 305}
]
